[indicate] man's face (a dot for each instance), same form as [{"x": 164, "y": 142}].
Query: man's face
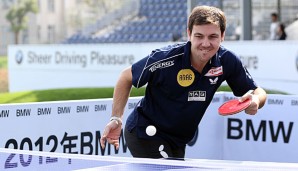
[
  {"x": 205, "y": 41},
  {"x": 273, "y": 18}
]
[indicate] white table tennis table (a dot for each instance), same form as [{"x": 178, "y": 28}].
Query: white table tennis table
[{"x": 34, "y": 160}]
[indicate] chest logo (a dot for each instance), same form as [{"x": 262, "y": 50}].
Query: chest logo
[
  {"x": 197, "y": 96},
  {"x": 161, "y": 65},
  {"x": 185, "y": 77},
  {"x": 215, "y": 71},
  {"x": 214, "y": 81}
]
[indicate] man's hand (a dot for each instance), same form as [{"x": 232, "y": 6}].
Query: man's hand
[
  {"x": 111, "y": 134},
  {"x": 252, "y": 109}
]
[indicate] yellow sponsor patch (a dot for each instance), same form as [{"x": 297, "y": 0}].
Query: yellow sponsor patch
[{"x": 185, "y": 77}]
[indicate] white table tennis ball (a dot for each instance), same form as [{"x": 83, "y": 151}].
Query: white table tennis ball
[{"x": 150, "y": 130}]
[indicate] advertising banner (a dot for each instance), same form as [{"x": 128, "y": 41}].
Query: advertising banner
[
  {"x": 64, "y": 126},
  {"x": 273, "y": 65},
  {"x": 76, "y": 127},
  {"x": 271, "y": 135},
  {"x": 37, "y": 67}
]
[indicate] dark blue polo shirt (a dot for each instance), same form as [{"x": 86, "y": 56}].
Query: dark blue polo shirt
[{"x": 177, "y": 96}]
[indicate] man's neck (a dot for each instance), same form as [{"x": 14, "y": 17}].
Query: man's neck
[{"x": 197, "y": 64}]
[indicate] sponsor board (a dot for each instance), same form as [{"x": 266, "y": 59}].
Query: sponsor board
[
  {"x": 76, "y": 127},
  {"x": 273, "y": 65}
]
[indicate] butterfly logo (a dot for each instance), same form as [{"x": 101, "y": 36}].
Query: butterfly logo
[{"x": 214, "y": 81}]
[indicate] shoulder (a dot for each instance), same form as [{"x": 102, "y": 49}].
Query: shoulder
[
  {"x": 228, "y": 58},
  {"x": 169, "y": 51},
  {"x": 160, "y": 57},
  {"x": 226, "y": 54}
]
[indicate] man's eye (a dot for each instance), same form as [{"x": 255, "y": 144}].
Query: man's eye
[{"x": 214, "y": 37}]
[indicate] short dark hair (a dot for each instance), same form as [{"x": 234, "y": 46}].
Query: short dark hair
[
  {"x": 282, "y": 26},
  {"x": 274, "y": 14},
  {"x": 202, "y": 15}
]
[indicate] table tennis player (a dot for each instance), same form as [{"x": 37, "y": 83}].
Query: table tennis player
[{"x": 181, "y": 81}]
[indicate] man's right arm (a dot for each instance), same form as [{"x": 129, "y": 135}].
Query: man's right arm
[
  {"x": 122, "y": 92},
  {"x": 122, "y": 89}
]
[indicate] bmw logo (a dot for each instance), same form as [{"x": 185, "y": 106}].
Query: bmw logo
[{"x": 19, "y": 57}]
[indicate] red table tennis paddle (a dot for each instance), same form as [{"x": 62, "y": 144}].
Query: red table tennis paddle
[{"x": 233, "y": 106}]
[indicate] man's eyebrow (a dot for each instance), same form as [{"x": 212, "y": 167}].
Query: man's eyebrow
[
  {"x": 198, "y": 34},
  {"x": 214, "y": 34}
]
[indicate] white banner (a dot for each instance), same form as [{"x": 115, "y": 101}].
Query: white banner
[
  {"x": 35, "y": 67},
  {"x": 64, "y": 126},
  {"x": 271, "y": 135},
  {"x": 274, "y": 65},
  {"x": 76, "y": 127}
]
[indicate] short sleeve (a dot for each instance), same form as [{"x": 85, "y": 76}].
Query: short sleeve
[
  {"x": 140, "y": 74},
  {"x": 238, "y": 77}
]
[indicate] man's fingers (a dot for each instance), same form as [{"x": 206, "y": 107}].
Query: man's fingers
[
  {"x": 110, "y": 141},
  {"x": 114, "y": 142},
  {"x": 111, "y": 135},
  {"x": 247, "y": 95},
  {"x": 104, "y": 137},
  {"x": 103, "y": 142},
  {"x": 251, "y": 111},
  {"x": 116, "y": 145}
]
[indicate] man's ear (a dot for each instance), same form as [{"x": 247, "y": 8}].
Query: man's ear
[
  {"x": 188, "y": 34},
  {"x": 223, "y": 36}
]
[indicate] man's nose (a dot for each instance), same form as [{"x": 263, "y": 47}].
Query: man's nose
[{"x": 206, "y": 42}]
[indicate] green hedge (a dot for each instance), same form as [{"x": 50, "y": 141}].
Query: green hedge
[
  {"x": 3, "y": 62},
  {"x": 62, "y": 94},
  {"x": 76, "y": 94}
]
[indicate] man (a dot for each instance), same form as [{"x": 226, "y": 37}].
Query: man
[
  {"x": 173, "y": 74},
  {"x": 274, "y": 27}
]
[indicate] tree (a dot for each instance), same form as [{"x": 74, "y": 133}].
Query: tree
[{"x": 17, "y": 16}]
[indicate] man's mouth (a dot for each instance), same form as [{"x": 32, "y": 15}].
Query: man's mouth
[{"x": 205, "y": 51}]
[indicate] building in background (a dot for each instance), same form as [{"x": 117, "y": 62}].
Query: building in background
[{"x": 58, "y": 20}]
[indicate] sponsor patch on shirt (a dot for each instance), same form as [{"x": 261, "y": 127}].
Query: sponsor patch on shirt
[
  {"x": 214, "y": 71},
  {"x": 161, "y": 65},
  {"x": 185, "y": 77},
  {"x": 213, "y": 81},
  {"x": 197, "y": 96}
]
